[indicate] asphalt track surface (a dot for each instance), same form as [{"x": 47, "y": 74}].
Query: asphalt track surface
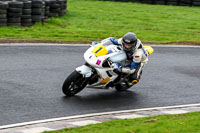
[{"x": 31, "y": 78}]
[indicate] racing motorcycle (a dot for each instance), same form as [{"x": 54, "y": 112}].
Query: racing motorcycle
[{"x": 98, "y": 71}]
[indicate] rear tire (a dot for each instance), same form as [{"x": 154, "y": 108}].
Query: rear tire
[
  {"x": 74, "y": 83},
  {"x": 120, "y": 87}
]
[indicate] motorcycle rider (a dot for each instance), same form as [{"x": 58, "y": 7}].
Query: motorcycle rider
[{"x": 136, "y": 56}]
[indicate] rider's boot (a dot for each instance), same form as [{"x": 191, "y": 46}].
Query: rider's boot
[{"x": 134, "y": 80}]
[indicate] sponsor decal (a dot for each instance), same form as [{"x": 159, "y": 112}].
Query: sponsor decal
[
  {"x": 137, "y": 56},
  {"x": 98, "y": 62}
]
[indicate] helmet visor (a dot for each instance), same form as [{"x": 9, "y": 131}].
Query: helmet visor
[{"x": 128, "y": 45}]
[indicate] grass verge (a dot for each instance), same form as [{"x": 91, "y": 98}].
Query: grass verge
[
  {"x": 182, "y": 123},
  {"x": 89, "y": 20}
]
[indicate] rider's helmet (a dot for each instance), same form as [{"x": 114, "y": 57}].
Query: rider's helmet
[{"x": 129, "y": 41}]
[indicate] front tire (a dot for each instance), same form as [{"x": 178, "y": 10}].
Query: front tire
[{"x": 73, "y": 84}]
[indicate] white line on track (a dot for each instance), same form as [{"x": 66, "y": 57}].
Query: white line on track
[{"x": 94, "y": 114}]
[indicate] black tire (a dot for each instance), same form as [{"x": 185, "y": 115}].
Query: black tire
[
  {"x": 3, "y": 16},
  {"x": 15, "y": 4},
  {"x": 55, "y": 6},
  {"x": 37, "y": 18},
  {"x": 61, "y": 13},
  {"x": 3, "y": 5},
  {"x": 14, "y": 15},
  {"x": 22, "y": 0},
  {"x": 52, "y": 2},
  {"x": 47, "y": 8},
  {"x": 27, "y": 5},
  {"x": 46, "y": 13},
  {"x": 37, "y": 5},
  {"x": 14, "y": 10},
  {"x": 26, "y": 17},
  {"x": 3, "y": 20},
  {"x": 26, "y": 11},
  {"x": 3, "y": 11},
  {"x": 61, "y": 2},
  {"x": 123, "y": 87},
  {"x": 14, "y": 24},
  {"x": 38, "y": 1},
  {"x": 3, "y": 24},
  {"x": 55, "y": 10},
  {"x": 51, "y": 14},
  {"x": 14, "y": 20},
  {"x": 196, "y": 3},
  {"x": 26, "y": 24},
  {"x": 64, "y": 7},
  {"x": 72, "y": 84},
  {"x": 26, "y": 21},
  {"x": 37, "y": 11},
  {"x": 47, "y": 2}
]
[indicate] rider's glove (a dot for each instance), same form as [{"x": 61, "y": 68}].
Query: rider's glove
[{"x": 116, "y": 67}]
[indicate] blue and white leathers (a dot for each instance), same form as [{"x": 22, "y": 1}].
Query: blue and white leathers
[{"x": 139, "y": 56}]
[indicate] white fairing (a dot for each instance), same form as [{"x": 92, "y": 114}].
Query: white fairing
[
  {"x": 117, "y": 55},
  {"x": 84, "y": 70}
]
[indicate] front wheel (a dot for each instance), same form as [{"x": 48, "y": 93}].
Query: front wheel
[{"x": 74, "y": 83}]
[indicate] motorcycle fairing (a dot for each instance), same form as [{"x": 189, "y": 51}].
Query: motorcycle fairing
[
  {"x": 149, "y": 50},
  {"x": 99, "y": 50},
  {"x": 84, "y": 70},
  {"x": 104, "y": 81},
  {"x": 98, "y": 62}
]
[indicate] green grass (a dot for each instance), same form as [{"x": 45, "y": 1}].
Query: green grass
[
  {"x": 89, "y": 20},
  {"x": 184, "y": 123}
]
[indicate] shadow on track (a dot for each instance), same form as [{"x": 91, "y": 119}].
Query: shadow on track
[{"x": 110, "y": 99}]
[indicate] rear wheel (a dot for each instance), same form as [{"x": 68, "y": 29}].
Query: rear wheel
[
  {"x": 74, "y": 83},
  {"x": 122, "y": 87}
]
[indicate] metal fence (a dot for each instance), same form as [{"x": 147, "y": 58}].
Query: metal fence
[{"x": 166, "y": 2}]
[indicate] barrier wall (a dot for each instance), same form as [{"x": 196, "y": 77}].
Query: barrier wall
[
  {"x": 27, "y": 13},
  {"x": 167, "y": 2}
]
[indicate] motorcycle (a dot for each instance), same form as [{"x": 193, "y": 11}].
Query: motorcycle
[{"x": 98, "y": 72}]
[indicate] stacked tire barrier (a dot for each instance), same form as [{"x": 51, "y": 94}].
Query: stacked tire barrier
[
  {"x": 37, "y": 10},
  {"x": 26, "y": 19},
  {"x": 166, "y": 2},
  {"x": 46, "y": 10},
  {"x": 14, "y": 13},
  {"x": 173, "y": 2},
  {"x": 28, "y": 12},
  {"x": 57, "y": 8},
  {"x": 3, "y": 13}
]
